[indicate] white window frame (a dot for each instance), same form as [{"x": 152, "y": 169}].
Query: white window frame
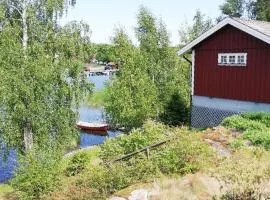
[{"x": 238, "y": 57}]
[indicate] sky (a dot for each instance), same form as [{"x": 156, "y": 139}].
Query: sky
[{"x": 104, "y": 15}]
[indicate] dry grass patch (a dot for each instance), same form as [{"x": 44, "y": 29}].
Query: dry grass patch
[
  {"x": 191, "y": 187},
  {"x": 7, "y": 192}
]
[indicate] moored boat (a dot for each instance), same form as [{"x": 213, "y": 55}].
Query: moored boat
[{"x": 95, "y": 127}]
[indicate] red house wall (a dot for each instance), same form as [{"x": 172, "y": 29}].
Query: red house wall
[{"x": 248, "y": 83}]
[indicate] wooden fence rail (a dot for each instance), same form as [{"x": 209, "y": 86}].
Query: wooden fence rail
[{"x": 147, "y": 149}]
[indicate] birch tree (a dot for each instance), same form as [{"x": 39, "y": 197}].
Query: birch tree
[
  {"x": 41, "y": 64},
  {"x": 151, "y": 77}
]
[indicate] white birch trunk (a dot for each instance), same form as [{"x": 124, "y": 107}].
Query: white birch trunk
[
  {"x": 27, "y": 131},
  {"x": 24, "y": 24},
  {"x": 28, "y": 138}
]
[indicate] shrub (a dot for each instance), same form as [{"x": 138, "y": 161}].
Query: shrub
[
  {"x": 259, "y": 138},
  {"x": 176, "y": 111},
  {"x": 244, "y": 175},
  {"x": 150, "y": 133},
  {"x": 77, "y": 164},
  {"x": 243, "y": 124},
  {"x": 38, "y": 174},
  {"x": 186, "y": 154},
  {"x": 262, "y": 117},
  {"x": 105, "y": 180}
]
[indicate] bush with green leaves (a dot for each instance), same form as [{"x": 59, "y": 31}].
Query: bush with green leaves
[
  {"x": 260, "y": 138},
  {"x": 255, "y": 126},
  {"x": 106, "y": 180},
  {"x": 38, "y": 174},
  {"x": 77, "y": 164},
  {"x": 150, "y": 133},
  {"x": 262, "y": 117},
  {"x": 242, "y": 124},
  {"x": 185, "y": 153}
]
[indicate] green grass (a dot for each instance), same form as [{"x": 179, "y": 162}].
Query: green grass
[{"x": 97, "y": 99}]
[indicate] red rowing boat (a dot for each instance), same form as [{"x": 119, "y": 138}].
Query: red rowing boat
[{"x": 95, "y": 127}]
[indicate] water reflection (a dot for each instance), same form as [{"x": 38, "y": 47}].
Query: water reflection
[
  {"x": 99, "y": 81},
  {"x": 92, "y": 114},
  {"x": 7, "y": 164},
  {"x": 87, "y": 113}
]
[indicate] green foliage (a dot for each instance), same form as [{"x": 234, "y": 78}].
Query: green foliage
[
  {"x": 46, "y": 81},
  {"x": 253, "y": 9},
  {"x": 237, "y": 144},
  {"x": 176, "y": 111},
  {"x": 150, "y": 133},
  {"x": 233, "y": 8},
  {"x": 77, "y": 164},
  {"x": 128, "y": 104},
  {"x": 42, "y": 84},
  {"x": 262, "y": 117},
  {"x": 254, "y": 125},
  {"x": 262, "y": 10},
  {"x": 259, "y": 137},
  {"x": 38, "y": 174},
  {"x": 184, "y": 153},
  {"x": 104, "y": 52},
  {"x": 149, "y": 77},
  {"x": 7, "y": 192},
  {"x": 107, "y": 180},
  {"x": 243, "y": 124}
]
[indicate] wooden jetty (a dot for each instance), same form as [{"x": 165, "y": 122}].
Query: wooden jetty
[{"x": 102, "y": 72}]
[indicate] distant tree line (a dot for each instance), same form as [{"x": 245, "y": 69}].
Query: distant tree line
[{"x": 103, "y": 52}]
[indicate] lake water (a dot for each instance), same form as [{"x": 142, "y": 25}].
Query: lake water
[{"x": 87, "y": 113}]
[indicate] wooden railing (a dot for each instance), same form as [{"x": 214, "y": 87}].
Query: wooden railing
[{"x": 146, "y": 149}]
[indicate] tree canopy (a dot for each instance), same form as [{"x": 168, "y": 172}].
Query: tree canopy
[
  {"x": 201, "y": 23},
  {"x": 104, "y": 52},
  {"x": 40, "y": 63},
  {"x": 150, "y": 75},
  {"x": 233, "y": 8},
  {"x": 251, "y": 9}
]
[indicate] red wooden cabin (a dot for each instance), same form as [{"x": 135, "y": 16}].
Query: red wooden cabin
[{"x": 230, "y": 70}]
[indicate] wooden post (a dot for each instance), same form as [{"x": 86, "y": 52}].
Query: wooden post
[{"x": 148, "y": 153}]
